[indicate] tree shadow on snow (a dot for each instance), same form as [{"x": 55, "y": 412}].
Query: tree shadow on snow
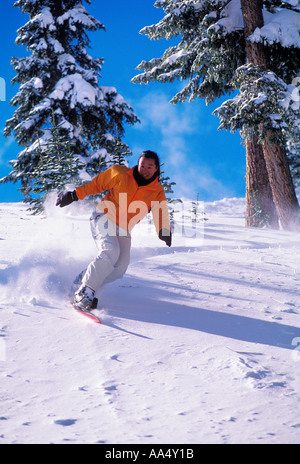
[{"x": 137, "y": 299}]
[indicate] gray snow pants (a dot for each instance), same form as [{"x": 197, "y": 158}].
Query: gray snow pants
[{"x": 114, "y": 246}]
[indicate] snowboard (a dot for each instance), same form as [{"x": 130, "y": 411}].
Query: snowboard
[{"x": 87, "y": 313}]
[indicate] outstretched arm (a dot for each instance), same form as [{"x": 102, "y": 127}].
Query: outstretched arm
[{"x": 103, "y": 181}]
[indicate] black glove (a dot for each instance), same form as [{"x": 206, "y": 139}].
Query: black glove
[
  {"x": 66, "y": 198},
  {"x": 166, "y": 236}
]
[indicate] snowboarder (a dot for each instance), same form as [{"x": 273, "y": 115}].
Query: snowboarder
[{"x": 132, "y": 193}]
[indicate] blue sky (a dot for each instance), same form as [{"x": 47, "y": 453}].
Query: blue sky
[{"x": 196, "y": 156}]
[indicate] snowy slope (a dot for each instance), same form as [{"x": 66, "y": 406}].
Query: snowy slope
[{"x": 199, "y": 343}]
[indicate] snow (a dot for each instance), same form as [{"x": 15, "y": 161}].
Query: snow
[
  {"x": 291, "y": 98},
  {"x": 78, "y": 88},
  {"x": 56, "y": 45},
  {"x": 199, "y": 342},
  {"x": 174, "y": 57},
  {"x": 233, "y": 17},
  {"x": 282, "y": 27},
  {"x": 64, "y": 60},
  {"x": 76, "y": 15},
  {"x": 41, "y": 45},
  {"x": 45, "y": 19},
  {"x": 38, "y": 83}
]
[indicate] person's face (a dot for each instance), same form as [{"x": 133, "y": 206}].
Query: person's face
[{"x": 147, "y": 168}]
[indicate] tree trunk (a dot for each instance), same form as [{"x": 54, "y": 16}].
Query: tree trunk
[
  {"x": 258, "y": 189},
  {"x": 282, "y": 185},
  {"x": 253, "y": 17},
  {"x": 260, "y": 208},
  {"x": 279, "y": 176}
]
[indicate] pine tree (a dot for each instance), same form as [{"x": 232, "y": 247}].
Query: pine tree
[
  {"x": 59, "y": 77},
  {"x": 213, "y": 47},
  {"x": 197, "y": 211},
  {"x": 274, "y": 114},
  {"x": 57, "y": 167},
  {"x": 167, "y": 185},
  {"x": 121, "y": 152},
  {"x": 264, "y": 108}
]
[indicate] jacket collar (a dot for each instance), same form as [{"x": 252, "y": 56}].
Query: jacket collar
[{"x": 141, "y": 181}]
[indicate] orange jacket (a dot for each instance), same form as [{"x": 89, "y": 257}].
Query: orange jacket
[{"x": 126, "y": 203}]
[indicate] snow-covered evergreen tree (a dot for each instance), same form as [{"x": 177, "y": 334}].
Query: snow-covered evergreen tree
[
  {"x": 121, "y": 152},
  {"x": 56, "y": 167},
  {"x": 213, "y": 46},
  {"x": 263, "y": 97},
  {"x": 167, "y": 184},
  {"x": 60, "y": 77}
]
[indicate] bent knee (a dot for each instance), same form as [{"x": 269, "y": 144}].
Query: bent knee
[{"x": 110, "y": 256}]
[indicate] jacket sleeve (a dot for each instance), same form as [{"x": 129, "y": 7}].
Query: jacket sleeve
[
  {"x": 160, "y": 212},
  {"x": 103, "y": 181}
]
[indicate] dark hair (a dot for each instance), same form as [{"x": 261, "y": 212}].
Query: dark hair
[{"x": 152, "y": 155}]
